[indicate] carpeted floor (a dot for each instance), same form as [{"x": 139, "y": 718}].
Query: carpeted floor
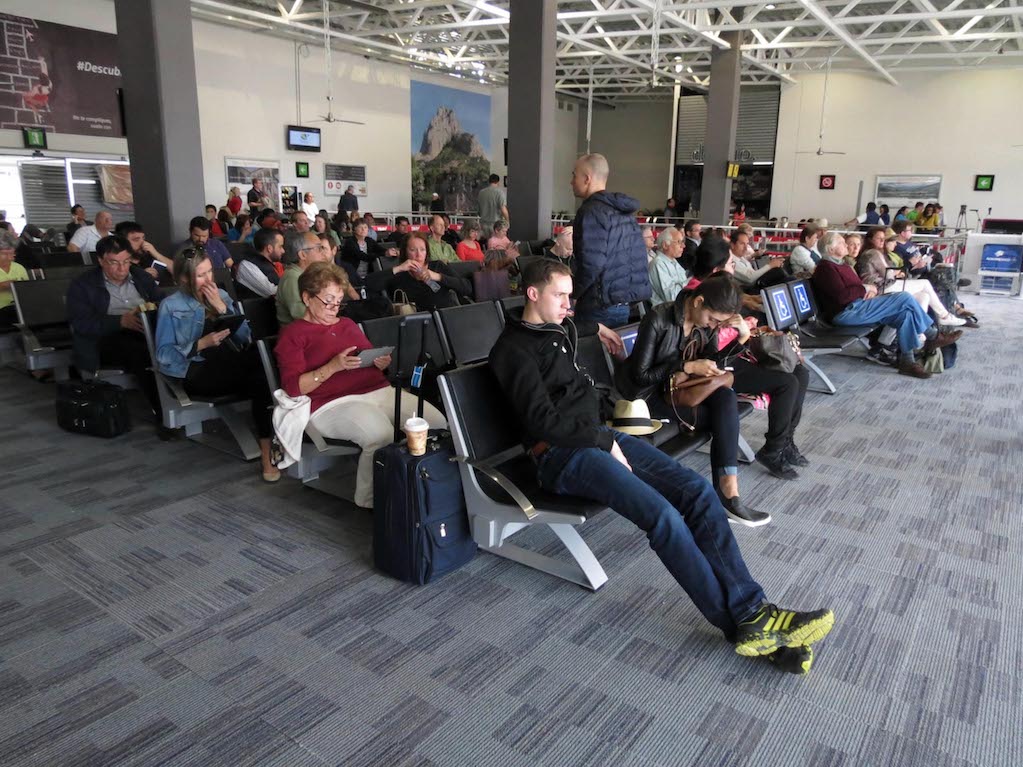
[{"x": 159, "y": 605}]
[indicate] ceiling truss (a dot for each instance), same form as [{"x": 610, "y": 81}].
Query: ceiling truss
[{"x": 627, "y": 50}]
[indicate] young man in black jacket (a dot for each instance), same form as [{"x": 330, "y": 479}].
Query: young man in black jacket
[{"x": 575, "y": 454}]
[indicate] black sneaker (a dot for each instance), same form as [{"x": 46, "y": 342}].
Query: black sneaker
[
  {"x": 794, "y": 457},
  {"x": 792, "y": 660},
  {"x": 772, "y": 628},
  {"x": 776, "y": 465},
  {"x": 739, "y": 514}
]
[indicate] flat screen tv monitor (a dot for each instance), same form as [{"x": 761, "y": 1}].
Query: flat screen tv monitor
[{"x": 302, "y": 139}]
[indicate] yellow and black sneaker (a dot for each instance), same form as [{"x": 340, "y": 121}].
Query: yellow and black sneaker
[
  {"x": 772, "y": 628},
  {"x": 792, "y": 660}
]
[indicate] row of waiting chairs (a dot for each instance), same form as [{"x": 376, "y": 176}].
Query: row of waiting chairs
[
  {"x": 792, "y": 306},
  {"x": 43, "y": 325},
  {"x": 502, "y": 494}
]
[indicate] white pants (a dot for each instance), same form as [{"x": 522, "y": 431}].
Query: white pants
[
  {"x": 923, "y": 292},
  {"x": 368, "y": 421}
]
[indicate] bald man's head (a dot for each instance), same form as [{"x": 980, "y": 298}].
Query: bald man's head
[{"x": 589, "y": 175}]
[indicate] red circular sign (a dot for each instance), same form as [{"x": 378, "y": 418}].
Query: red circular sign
[{"x": 827, "y": 182}]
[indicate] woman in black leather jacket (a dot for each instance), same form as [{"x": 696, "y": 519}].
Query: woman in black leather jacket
[{"x": 682, "y": 337}]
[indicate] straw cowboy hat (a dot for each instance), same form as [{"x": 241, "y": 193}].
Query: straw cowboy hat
[{"x": 633, "y": 417}]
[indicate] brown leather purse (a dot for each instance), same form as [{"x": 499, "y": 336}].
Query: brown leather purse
[{"x": 693, "y": 391}]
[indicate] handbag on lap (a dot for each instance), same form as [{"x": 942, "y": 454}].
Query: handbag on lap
[{"x": 691, "y": 391}]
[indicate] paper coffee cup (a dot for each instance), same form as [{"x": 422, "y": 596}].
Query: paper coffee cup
[{"x": 416, "y": 430}]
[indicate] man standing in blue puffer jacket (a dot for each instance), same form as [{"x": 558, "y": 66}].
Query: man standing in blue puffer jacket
[{"x": 610, "y": 257}]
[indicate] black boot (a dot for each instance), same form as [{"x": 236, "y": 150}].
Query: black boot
[
  {"x": 792, "y": 455},
  {"x": 775, "y": 463}
]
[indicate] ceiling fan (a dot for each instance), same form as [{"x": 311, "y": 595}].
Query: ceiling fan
[
  {"x": 328, "y": 71},
  {"x": 824, "y": 102}
]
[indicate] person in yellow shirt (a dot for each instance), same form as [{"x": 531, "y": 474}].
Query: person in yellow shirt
[
  {"x": 928, "y": 219},
  {"x": 10, "y": 271}
]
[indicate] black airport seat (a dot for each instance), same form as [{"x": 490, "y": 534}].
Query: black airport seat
[
  {"x": 470, "y": 331},
  {"x": 500, "y": 485}
]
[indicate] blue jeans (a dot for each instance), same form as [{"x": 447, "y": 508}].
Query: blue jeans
[
  {"x": 900, "y": 310},
  {"x": 609, "y": 316},
  {"x": 680, "y": 514}
]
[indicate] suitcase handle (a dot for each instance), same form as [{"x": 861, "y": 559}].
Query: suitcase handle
[{"x": 420, "y": 367}]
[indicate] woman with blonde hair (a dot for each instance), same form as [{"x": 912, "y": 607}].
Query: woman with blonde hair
[
  {"x": 234, "y": 200},
  {"x": 209, "y": 354}
]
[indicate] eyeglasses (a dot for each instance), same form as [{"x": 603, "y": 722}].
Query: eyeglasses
[
  {"x": 319, "y": 246},
  {"x": 330, "y": 304}
]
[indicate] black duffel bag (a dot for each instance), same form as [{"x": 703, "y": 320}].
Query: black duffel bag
[{"x": 97, "y": 408}]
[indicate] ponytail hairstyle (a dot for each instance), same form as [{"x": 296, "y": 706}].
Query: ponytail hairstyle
[{"x": 720, "y": 293}]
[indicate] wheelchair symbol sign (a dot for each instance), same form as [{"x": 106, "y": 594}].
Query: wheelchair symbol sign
[
  {"x": 801, "y": 300},
  {"x": 781, "y": 304}
]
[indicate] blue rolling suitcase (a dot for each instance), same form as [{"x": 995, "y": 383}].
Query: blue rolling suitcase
[{"x": 420, "y": 527}]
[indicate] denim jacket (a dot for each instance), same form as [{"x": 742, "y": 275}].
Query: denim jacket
[{"x": 179, "y": 326}]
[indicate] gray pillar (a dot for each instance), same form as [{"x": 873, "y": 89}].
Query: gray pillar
[
  {"x": 157, "y": 60},
  {"x": 531, "y": 52},
  {"x": 719, "y": 138}
]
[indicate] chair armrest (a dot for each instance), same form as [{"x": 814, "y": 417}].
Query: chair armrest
[
  {"x": 175, "y": 388},
  {"x": 504, "y": 483},
  {"x": 316, "y": 437},
  {"x": 32, "y": 343}
]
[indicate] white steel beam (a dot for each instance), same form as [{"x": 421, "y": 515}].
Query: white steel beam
[{"x": 825, "y": 18}]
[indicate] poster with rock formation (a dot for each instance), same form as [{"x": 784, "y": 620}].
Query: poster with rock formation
[
  {"x": 60, "y": 78},
  {"x": 450, "y": 146}
]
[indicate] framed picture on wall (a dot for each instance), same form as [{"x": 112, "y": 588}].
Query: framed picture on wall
[
  {"x": 896, "y": 191},
  {"x": 240, "y": 173}
]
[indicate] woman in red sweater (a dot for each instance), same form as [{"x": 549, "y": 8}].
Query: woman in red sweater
[
  {"x": 318, "y": 357},
  {"x": 469, "y": 248}
]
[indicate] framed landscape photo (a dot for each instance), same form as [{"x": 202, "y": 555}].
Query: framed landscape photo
[{"x": 897, "y": 190}]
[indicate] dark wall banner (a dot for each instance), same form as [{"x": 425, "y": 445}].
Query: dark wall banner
[{"x": 61, "y": 78}]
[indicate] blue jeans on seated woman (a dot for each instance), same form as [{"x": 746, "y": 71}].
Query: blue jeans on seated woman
[
  {"x": 679, "y": 512},
  {"x": 900, "y": 310}
]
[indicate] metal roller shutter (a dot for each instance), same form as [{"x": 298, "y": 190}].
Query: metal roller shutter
[
  {"x": 692, "y": 122},
  {"x": 44, "y": 189},
  {"x": 756, "y": 132}
]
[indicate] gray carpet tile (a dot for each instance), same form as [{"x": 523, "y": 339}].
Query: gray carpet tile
[{"x": 159, "y": 605}]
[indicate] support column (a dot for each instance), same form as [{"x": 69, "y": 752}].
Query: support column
[
  {"x": 531, "y": 66},
  {"x": 719, "y": 137},
  {"x": 161, "y": 106}
]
